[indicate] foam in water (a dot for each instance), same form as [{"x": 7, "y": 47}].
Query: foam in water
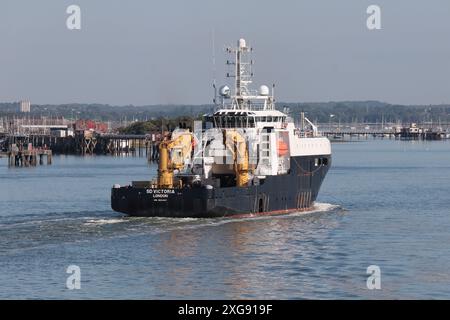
[
  {"x": 103, "y": 221},
  {"x": 212, "y": 222},
  {"x": 163, "y": 224},
  {"x": 321, "y": 207}
]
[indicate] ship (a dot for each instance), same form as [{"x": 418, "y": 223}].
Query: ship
[{"x": 245, "y": 158}]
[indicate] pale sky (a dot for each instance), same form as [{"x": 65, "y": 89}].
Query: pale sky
[{"x": 145, "y": 52}]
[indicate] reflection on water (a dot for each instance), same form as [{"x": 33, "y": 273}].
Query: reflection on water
[
  {"x": 59, "y": 215},
  {"x": 239, "y": 257}
]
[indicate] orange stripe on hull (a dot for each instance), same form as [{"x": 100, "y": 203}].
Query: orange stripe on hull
[{"x": 269, "y": 213}]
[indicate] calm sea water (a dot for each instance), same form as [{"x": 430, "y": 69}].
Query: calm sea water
[{"x": 384, "y": 203}]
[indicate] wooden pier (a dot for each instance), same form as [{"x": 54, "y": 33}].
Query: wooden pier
[
  {"x": 117, "y": 145},
  {"x": 28, "y": 158},
  {"x": 403, "y": 134},
  {"x": 87, "y": 143}
]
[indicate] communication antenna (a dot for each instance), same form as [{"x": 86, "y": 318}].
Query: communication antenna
[
  {"x": 273, "y": 95},
  {"x": 214, "y": 64}
]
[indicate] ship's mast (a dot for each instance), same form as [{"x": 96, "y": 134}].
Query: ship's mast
[
  {"x": 243, "y": 97},
  {"x": 242, "y": 71}
]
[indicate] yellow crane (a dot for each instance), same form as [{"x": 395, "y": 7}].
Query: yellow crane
[
  {"x": 167, "y": 164},
  {"x": 238, "y": 147}
]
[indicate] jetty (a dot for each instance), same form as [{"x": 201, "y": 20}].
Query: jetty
[
  {"x": 390, "y": 131},
  {"x": 27, "y": 158}
]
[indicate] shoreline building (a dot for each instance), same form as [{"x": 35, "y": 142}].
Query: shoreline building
[{"x": 25, "y": 106}]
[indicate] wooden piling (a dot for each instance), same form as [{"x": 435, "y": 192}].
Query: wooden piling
[{"x": 28, "y": 158}]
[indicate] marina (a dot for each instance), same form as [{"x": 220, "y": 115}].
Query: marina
[
  {"x": 411, "y": 131},
  {"x": 67, "y": 137}
]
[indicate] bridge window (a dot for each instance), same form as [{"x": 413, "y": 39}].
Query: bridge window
[
  {"x": 320, "y": 162},
  {"x": 232, "y": 121}
]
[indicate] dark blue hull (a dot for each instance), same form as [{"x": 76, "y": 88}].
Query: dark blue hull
[{"x": 295, "y": 191}]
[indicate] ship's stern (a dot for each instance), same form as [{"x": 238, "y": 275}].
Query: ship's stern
[{"x": 195, "y": 202}]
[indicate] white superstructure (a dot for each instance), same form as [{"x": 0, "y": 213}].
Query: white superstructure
[{"x": 270, "y": 134}]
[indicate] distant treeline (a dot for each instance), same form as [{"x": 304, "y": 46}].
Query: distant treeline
[
  {"x": 346, "y": 112},
  {"x": 158, "y": 125}
]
